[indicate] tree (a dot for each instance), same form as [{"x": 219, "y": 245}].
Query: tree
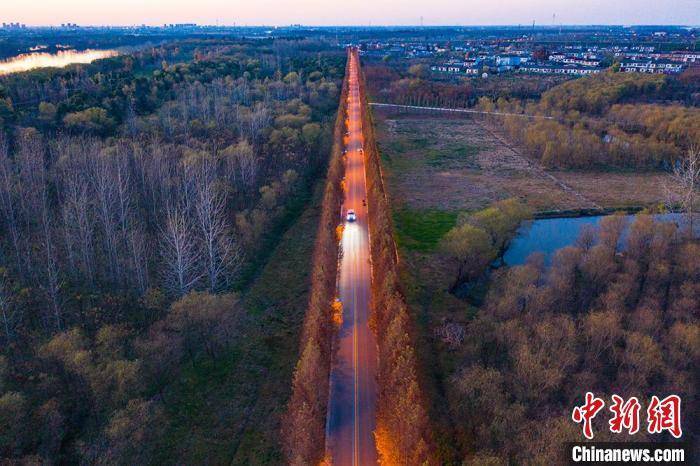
[
  {"x": 500, "y": 220},
  {"x": 221, "y": 255},
  {"x": 205, "y": 322},
  {"x": 419, "y": 71},
  {"x": 8, "y": 203},
  {"x": 241, "y": 164},
  {"x": 310, "y": 133},
  {"x": 471, "y": 249},
  {"x": 47, "y": 112},
  {"x": 9, "y": 313},
  {"x": 304, "y": 423},
  {"x": 77, "y": 202},
  {"x": 92, "y": 120},
  {"x": 13, "y": 423},
  {"x": 610, "y": 231},
  {"x": 180, "y": 255},
  {"x": 39, "y": 220},
  {"x": 686, "y": 177},
  {"x": 131, "y": 435}
]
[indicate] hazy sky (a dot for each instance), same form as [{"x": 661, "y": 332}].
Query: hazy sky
[{"x": 345, "y": 12}]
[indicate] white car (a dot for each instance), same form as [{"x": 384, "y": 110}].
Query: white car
[{"x": 350, "y": 216}]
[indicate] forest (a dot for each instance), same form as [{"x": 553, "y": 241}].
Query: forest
[
  {"x": 139, "y": 197},
  {"x": 610, "y": 321},
  {"x": 611, "y": 120}
]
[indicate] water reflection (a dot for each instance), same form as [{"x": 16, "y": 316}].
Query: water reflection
[
  {"x": 549, "y": 235},
  {"x": 29, "y": 61}
]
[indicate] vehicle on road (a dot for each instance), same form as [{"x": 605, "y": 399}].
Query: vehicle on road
[{"x": 350, "y": 216}]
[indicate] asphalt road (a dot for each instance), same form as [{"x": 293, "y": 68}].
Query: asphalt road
[{"x": 353, "y": 391}]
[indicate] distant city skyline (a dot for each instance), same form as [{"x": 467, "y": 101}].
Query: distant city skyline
[{"x": 358, "y": 12}]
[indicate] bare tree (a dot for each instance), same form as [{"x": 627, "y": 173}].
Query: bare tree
[
  {"x": 259, "y": 119},
  {"x": 9, "y": 313},
  {"x": 179, "y": 252},
  {"x": 31, "y": 194},
  {"x": 221, "y": 256},
  {"x": 686, "y": 185},
  {"x": 106, "y": 204},
  {"x": 8, "y": 208},
  {"x": 52, "y": 283},
  {"x": 131, "y": 236},
  {"x": 139, "y": 257},
  {"x": 36, "y": 209},
  {"x": 76, "y": 199}
]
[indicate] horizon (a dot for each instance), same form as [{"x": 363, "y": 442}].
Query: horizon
[
  {"x": 359, "y": 26},
  {"x": 364, "y": 13}
]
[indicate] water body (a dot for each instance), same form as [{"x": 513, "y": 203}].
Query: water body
[
  {"x": 549, "y": 235},
  {"x": 30, "y": 61}
]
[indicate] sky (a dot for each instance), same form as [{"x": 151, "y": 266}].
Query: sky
[{"x": 351, "y": 12}]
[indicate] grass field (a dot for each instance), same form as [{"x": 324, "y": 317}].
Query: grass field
[
  {"x": 436, "y": 163},
  {"x": 421, "y": 230}
]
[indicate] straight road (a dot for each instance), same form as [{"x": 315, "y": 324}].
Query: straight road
[{"x": 353, "y": 391}]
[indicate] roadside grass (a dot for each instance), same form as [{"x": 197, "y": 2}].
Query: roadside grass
[
  {"x": 421, "y": 230},
  {"x": 241, "y": 396}
]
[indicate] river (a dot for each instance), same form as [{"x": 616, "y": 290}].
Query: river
[{"x": 29, "y": 61}]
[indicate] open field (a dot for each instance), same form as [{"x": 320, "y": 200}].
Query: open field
[{"x": 449, "y": 164}]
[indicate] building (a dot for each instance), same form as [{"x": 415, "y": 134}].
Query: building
[
  {"x": 510, "y": 60},
  {"x": 558, "y": 69},
  {"x": 650, "y": 66},
  {"x": 13, "y": 26},
  {"x": 456, "y": 69}
]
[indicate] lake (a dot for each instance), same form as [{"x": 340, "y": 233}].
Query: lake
[
  {"x": 30, "y": 61},
  {"x": 548, "y": 235}
]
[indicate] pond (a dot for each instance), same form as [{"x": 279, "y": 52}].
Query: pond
[
  {"x": 548, "y": 235},
  {"x": 29, "y": 61}
]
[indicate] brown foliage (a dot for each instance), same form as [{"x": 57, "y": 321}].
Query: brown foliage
[
  {"x": 598, "y": 319},
  {"x": 303, "y": 427},
  {"x": 593, "y": 124},
  {"x": 403, "y": 431}
]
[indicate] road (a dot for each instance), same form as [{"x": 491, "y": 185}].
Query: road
[{"x": 351, "y": 410}]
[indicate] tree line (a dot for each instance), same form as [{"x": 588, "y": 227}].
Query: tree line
[
  {"x": 608, "y": 120},
  {"x": 304, "y": 425},
  {"x": 403, "y": 434},
  {"x": 415, "y": 87}
]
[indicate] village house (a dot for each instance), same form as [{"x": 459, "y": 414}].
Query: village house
[{"x": 651, "y": 67}]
